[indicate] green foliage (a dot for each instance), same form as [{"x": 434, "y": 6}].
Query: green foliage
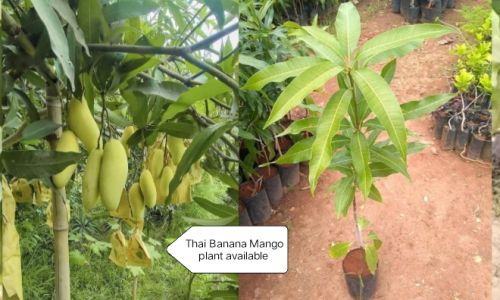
[
  {"x": 354, "y": 117},
  {"x": 474, "y": 55}
]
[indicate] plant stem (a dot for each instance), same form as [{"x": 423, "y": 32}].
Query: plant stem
[
  {"x": 60, "y": 214},
  {"x": 134, "y": 289},
  {"x": 191, "y": 279},
  {"x": 359, "y": 237}
]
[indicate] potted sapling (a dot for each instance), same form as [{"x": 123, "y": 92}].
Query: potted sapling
[{"x": 361, "y": 130}]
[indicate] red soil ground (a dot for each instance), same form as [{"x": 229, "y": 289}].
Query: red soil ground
[{"x": 436, "y": 228}]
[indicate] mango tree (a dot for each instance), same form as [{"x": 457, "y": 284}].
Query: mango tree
[{"x": 361, "y": 130}]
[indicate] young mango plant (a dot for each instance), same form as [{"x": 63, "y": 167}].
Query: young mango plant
[{"x": 347, "y": 131}]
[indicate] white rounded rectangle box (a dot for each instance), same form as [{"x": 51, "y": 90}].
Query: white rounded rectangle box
[{"x": 233, "y": 249}]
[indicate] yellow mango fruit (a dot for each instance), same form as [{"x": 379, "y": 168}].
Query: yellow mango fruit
[
  {"x": 127, "y": 133},
  {"x": 155, "y": 163},
  {"x": 163, "y": 183},
  {"x": 67, "y": 143},
  {"x": 22, "y": 191},
  {"x": 119, "y": 247},
  {"x": 182, "y": 193},
  {"x": 113, "y": 174},
  {"x": 176, "y": 148},
  {"x": 123, "y": 211},
  {"x": 90, "y": 180},
  {"x": 82, "y": 123},
  {"x": 148, "y": 188},
  {"x": 136, "y": 202}
]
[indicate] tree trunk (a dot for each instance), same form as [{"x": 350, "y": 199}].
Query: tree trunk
[{"x": 59, "y": 212}]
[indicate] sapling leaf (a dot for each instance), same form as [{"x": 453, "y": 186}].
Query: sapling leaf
[
  {"x": 389, "y": 158},
  {"x": 300, "y": 151},
  {"x": 323, "y": 44},
  {"x": 384, "y": 105},
  {"x": 371, "y": 258},
  {"x": 348, "y": 27},
  {"x": 360, "y": 154},
  {"x": 281, "y": 71},
  {"x": 301, "y": 125},
  {"x": 362, "y": 223},
  {"x": 375, "y": 194},
  {"x": 339, "y": 250},
  {"x": 377, "y": 243},
  {"x": 388, "y": 71},
  {"x": 344, "y": 194},
  {"x": 328, "y": 126},
  {"x": 418, "y": 108},
  {"x": 381, "y": 170},
  {"x": 310, "y": 80},
  {"x": 342, "y": 162}
]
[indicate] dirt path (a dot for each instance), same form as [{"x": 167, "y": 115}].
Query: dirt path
[{"x": 436, "y": 229}]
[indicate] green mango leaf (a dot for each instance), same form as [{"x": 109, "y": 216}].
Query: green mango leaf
[
  {"x": 58, "y": 40},
  {"x": 252, "y": 62},
  {"x": 211, "y": 88},
  {"x": 299, "y": 152},
  {"x": 342, "y": 162},
  {"x": 324, "y": 44},
  {"x": 33, "y": 164},
  {"x": 180, "y": 129},
  {"x": 362, "y": 223},
  {"x": 339, "y": 250},
  {"x": 217, "y": 9},
  {"x": 416, "y": 109},
  {"x": 327, "y": 128},
  {"x": 360, "y": 154},
  {"x": 348, "y": 27},
  {"x": 390, "y": 159},
  {"x": 281, "y": 71},
  {"x": 384, "y": 104},
  {"x": 137, "y": 107},
  {"x": 233, "y": 220},
  {"x": 371, "y": 258},
  {"x": 91, "y": 20},
  {"x": 344, "y": 194},
  {"x": 224, "y": 177},
  {"x": 167, "y": 90},
  {"x": 377, "y": 243},
  {"x": 301, "y": 125},
  {"x": 375, "y": 194},
  {"x": 310, "y": 80},
  {"x": 39, "y": 129},
  {"x": 388, "y": 71},
  {"x": 199, "y": 145},
  {"x": 31, "y": 110},
  {"x": 381, "y": 170},
  {"x": 126, "y": 9},
  {"x": 64, "y": 10},
  {"x": 398, "y": 42},
  {"x": 218, "y": 210}
]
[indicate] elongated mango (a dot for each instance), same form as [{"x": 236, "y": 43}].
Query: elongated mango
[
  {"x": 82, "y": 123},
  {"x": 127, "y": 133},
  {"x": 90, "y": 180},
  {"x": 163, "y": 184},
  {"x": 148, "y": 188},
  {"x": 136, "y": 202},
  {"x": 155, "y": 163},
  {"x": 67, "y": 143},
  {"x": 176, "y": 148},
  {"x": 113, "y": 174}
]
